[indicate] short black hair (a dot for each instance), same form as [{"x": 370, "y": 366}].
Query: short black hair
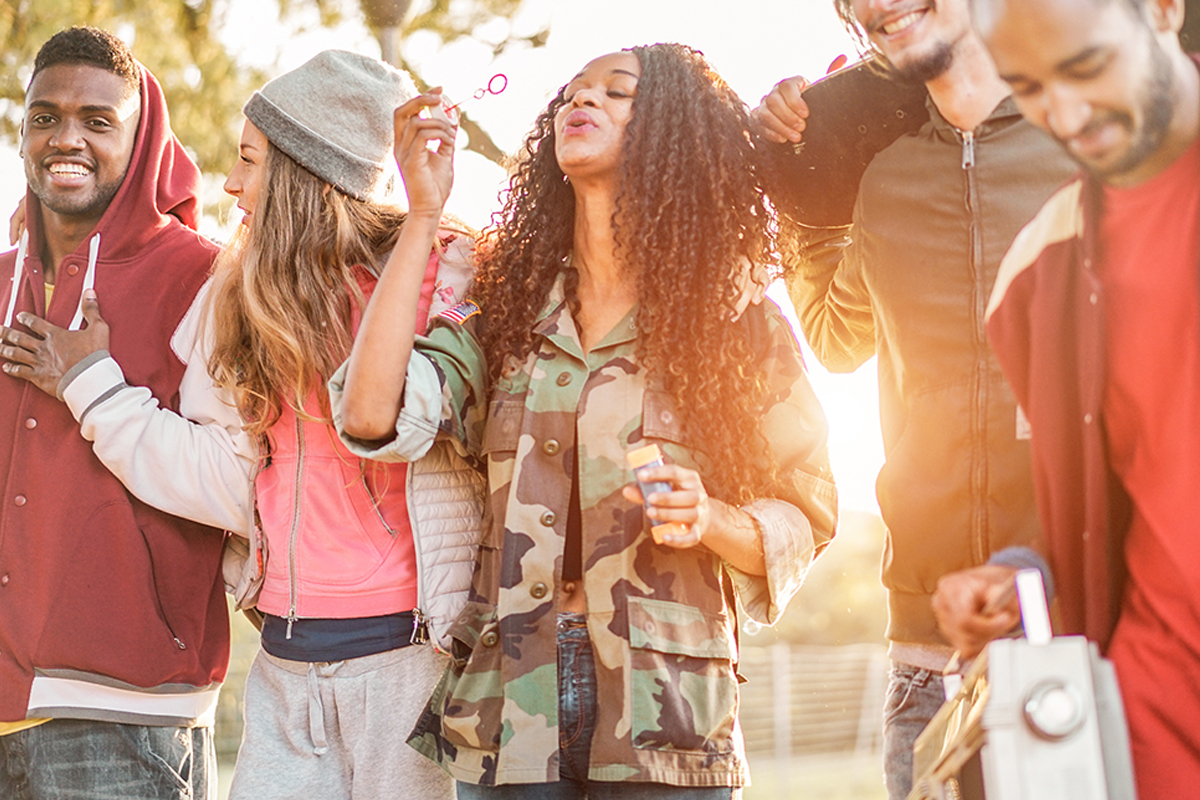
[{"x": 95, "y": 47}]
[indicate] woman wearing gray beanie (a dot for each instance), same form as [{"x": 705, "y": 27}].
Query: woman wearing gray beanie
[
  {"x": 617, "y": 322},
  {"x": 350, "y": 582}
]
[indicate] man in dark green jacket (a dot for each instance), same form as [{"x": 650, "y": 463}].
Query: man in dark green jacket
[{"x": 908, "y": 281}]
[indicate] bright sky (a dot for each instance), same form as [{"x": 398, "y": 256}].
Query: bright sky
[{"x": 752, "y": 43}]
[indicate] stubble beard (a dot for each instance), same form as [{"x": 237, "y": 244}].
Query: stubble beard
[
  {"x": 1157, "y": 112},
  {"x": 91, "y": 205},
  {"x": 932, "y": 65}
]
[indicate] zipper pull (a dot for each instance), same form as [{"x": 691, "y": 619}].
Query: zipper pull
[
  {"x": 179, "y": 644},
  {"x": 420, "y": 633},
  {"x": 291, "y": 619},
  {"x": 968, "y": 140}
]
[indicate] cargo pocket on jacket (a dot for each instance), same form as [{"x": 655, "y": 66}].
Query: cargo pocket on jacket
[
  {"x": 473, "y": 692},
  {"x": 499, "y": 450},
  {"x": 683, "y": 693}
]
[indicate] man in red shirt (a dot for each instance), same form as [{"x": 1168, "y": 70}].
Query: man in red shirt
[
  {"x": 114, "y": 632},
  {"x": 1095, "y": 319}
]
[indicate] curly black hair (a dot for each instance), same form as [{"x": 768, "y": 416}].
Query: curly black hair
[
  {"x": 95, "y": 47},
  {"x": 693, "y": 220}
]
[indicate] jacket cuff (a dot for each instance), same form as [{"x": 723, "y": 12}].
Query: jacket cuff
[
  {"x": 417, "y": 424},
  {"x": 1026, "y": 558},
  {"x": 90, "y": 382},
  {"x": 788, "y": 550}
]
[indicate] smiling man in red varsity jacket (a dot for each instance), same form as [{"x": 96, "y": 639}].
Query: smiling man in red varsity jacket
[
  {"x": 1095, "y": 319},
  {"x": 114, "y": 633}
]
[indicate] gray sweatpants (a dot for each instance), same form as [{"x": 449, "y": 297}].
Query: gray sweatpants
[{"x": 338, "y": 730}]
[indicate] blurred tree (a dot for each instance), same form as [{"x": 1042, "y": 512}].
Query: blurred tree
[
  {"x": 389, "y": 21},
  {"x": 176, "y": 39},
  {"x": 205, "y": 85}
]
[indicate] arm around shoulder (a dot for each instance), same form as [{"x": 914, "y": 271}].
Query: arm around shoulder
[
  {"x": 196, "y": 464},
  {"x": 826, "y": 287}
]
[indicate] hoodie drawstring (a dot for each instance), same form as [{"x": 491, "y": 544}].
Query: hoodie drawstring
[
  {"x": 316, "y": 713},
  {"x": 18, "y": 267},
  {"x": 89, "y": 282}
]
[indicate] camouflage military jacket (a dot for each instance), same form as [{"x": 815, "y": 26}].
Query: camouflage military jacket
[{"x": 661, "y": 631}]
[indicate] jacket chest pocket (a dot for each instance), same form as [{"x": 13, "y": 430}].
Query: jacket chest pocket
[
  {"x": 660, "y": 417},
  {"x": 499, "y": 451},
  {"x": 682, "y": 688}
]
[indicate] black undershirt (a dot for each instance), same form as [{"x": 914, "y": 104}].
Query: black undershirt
[{"x": 572, "y": 568}]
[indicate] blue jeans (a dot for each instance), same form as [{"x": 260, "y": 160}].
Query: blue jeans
[
  {"x": 576, "y": 723},
  {"x": 66, "y": 758},
  {"x": 914, "y": 695}
]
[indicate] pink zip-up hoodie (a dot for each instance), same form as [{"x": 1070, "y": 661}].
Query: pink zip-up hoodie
[{"x": 339, "y": 541}]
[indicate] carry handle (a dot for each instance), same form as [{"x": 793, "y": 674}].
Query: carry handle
[
  {"x": 1035, "y": 616},
  {"x": 1027, "y": 584}
]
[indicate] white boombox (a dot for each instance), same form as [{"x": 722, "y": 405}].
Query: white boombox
[{"x": 1038, "y": 718}]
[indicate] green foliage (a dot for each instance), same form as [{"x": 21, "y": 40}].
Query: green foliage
[
  {"x": 205, "y": 85},
  {"x": 453, "y": 19},
  {"x": 176, "y": 39}
]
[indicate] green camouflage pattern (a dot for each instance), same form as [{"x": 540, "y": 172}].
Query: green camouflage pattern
[{"x": 662, "y": 634}]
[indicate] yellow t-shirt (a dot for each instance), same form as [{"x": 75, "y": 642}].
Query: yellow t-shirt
[{"x": 12, "y": 727}]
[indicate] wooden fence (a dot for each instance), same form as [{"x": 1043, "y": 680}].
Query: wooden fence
[{"x": 801, "y": 700}]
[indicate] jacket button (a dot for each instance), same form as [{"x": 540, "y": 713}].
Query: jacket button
[
  {"x": 564, "y": 378},
  {"x": 550, "y": 447},
  {"x": 548, "y": 518},
  {"x": 4, "y": 579},
  {"x": 1087, "y": 419},
  {"x": 489, "y": 639},
  {"x": 538, "y": 590},
  {"x": 19, "y": 500},
  {"x": 72, "y": 269},
  {"x": 31, "y": 423}
]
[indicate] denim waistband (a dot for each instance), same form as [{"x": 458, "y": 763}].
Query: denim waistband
[{"x": 572, "y": 626}]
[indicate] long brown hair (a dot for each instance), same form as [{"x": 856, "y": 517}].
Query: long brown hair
[
  {"x": 691, "y": 214},
  {"x": 285, "y": 290}
]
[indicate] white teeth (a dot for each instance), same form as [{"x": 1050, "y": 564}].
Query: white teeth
[
  {"x": 71, "y": 170},
  {"x": 902, "y": 23}
]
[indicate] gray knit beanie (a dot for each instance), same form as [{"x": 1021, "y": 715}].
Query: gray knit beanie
[{"x": 333, "y": 115}]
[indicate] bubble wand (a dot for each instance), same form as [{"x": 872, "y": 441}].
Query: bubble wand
[{"x": 495, "y": 85}]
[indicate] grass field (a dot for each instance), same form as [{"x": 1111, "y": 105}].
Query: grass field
[{"x": 826, "y": 777}]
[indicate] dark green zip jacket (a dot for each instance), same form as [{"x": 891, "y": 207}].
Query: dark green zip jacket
[{"x": 909, "y": 282}]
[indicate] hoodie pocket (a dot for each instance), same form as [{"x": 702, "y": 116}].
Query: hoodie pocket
[{"x": 924, "y": 491}]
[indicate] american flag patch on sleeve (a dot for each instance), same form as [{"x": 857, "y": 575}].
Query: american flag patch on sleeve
[{"x": 461, "y": 312}]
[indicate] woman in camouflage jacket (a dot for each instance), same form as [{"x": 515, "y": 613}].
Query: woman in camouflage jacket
[{"x": 616, "y": 306}]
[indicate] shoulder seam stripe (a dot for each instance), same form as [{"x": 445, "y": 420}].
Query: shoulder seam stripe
[{"x": 1060, "y": 219}]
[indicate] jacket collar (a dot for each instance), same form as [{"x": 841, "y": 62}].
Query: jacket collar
[
  {"x": 555, "y": 322},
  {"x": 1002, "y": 116}
]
